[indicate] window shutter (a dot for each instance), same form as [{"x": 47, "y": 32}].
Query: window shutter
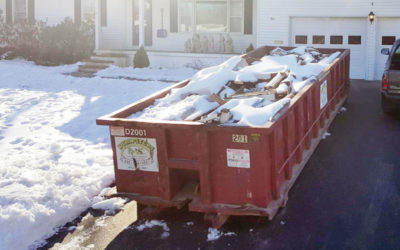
[
  {"x": 31, "y": 11},
  {"x": 9, "y": 18},
  {"x": 78, "y": 12},
  {"x": 248, "y": 17},
  {"x": 173, "y": 16},
  {"x": 103, "y": 13}
]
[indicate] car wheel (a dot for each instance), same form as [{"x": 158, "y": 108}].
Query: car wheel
[{"x": 387, "y": 108}]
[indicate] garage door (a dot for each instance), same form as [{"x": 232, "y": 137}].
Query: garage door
[
  {"x": 334, "y": 33},
  {"x": 388, "y": 30}
]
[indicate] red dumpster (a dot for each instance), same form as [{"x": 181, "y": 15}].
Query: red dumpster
[{"x": 225, "y": 170}]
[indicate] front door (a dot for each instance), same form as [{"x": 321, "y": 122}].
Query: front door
[{"x": 147, "y": 25}]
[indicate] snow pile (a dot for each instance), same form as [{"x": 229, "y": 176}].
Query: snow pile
[
  {"x": 215, "y": 234},
  {"x": 110, "y": 205},
  {"x": 250, "y": 95},
  {"x": 161, "y": 74},
  {"x": 54, "y": 159},
  {"x": 153, "y": 223}
]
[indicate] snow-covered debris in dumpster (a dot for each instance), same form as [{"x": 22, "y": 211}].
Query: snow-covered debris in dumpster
[{"x": 235, "y": 93}]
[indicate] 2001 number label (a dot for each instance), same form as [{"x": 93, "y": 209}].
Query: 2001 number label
[
  {"x": 239, "y": 138},
  {"x": 135, "y": 132}
]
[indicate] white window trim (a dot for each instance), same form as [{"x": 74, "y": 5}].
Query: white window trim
[{"x": 194, "y": 18}]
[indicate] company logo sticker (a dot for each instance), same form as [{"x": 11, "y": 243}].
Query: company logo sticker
[{"x": 136, "y": 154}]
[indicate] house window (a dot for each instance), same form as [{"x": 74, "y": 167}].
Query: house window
[
  {"x": 211, "y": 16},
  {"x": 388, "y": 40},
  {"x": 186, "y": 15},
  {"x": 336, "y": 40},
  {"x": 236, "y": 16},
  {"x": 88, "y": 9},
  {"x": 318, "y": 40},
  {"x": 354, "y": 39},
  {"x": 20, "y": 10},
  {"x": 301, "y": 39}
]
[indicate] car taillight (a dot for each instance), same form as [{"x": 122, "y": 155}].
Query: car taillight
[{"x": 385, "y": 82}]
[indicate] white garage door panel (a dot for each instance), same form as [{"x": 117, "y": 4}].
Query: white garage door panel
[
  {"x": 385, "y": 27},
  {"x": 328, "y": 27}
]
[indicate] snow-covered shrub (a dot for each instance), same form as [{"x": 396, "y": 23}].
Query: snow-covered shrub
[
  {"x": 250, "y": 48},
  {"x": 141, "y": 60},
  {"x": 66, "y": 42},
  {"x": 20, "y": 38},
  {"x": 60, "y": 44}
]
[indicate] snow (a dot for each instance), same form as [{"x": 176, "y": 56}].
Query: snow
[
  {"x": 325, "y": 135},
  {"x": 155, "y": 223},
  {"x": 55, "y": 160},
  {"x": 110, "y": 205},
  {"x": 248, "y": 113},
  {"x": 160, "y": 74},
  {"x": 215, "y": 234},
  {"x": 192, "y": 101}
]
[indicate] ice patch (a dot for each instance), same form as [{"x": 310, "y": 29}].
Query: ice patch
[{"x": 215, "y": 234}]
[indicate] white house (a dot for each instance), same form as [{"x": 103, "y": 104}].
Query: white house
[
  {"x": 51, "y": 11},
  {"x": 164, "y": 26}
]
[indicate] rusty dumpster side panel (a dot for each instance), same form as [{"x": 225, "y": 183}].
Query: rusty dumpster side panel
[{"x": 196, "y": 162}]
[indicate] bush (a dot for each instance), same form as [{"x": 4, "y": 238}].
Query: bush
[
  {"x": 250, "y": 48},
  {"x": 20, "y": 39},
  {"x": 50, "y": 45},
  {"x": 141, "y": 60},
  {"x": 66, "y": 42}
]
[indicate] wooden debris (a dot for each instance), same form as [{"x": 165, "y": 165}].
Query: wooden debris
[
  {"x": 274, "y": 83},
  {"x": 216, "y": 98},
  {"x": 267, "y": 95}
]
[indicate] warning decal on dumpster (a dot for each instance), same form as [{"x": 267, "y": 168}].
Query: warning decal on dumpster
[
  {"x": 324, "y": 94},
  {"x": 238, "y": 158},
  {"x": 136, "y": 154}
]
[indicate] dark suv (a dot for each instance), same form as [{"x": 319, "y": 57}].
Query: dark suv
[{"x": 391, "y": 79}]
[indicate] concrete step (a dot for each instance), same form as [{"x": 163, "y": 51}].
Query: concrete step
[
  {"x": 95, "y": 65},
  {"x": 87, "y": 70},
  {"x": 105, "y": 61},
  {"x": 118, "y": 60}
]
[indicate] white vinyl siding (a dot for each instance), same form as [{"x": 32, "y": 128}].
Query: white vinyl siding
[
  {"x": 118, "y": 33},
  {"x": 274, "y": 21}
]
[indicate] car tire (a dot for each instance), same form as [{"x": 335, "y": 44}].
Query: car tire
[{"x": 387, "y": 107}]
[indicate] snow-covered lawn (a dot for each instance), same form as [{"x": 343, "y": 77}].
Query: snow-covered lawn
[{"x": 54, "y": 159}]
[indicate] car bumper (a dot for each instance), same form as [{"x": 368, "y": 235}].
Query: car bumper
[{"x": 391, "y": 98}]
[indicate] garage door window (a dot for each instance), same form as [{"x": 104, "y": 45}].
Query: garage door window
[
  {"x": 336, "y": 40},
  {"x": 318, "y": 39},
  {"x": 301, "y": 39},
  {"x": 388, "y": 40},
  {"x": 354, "y": 39}
]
